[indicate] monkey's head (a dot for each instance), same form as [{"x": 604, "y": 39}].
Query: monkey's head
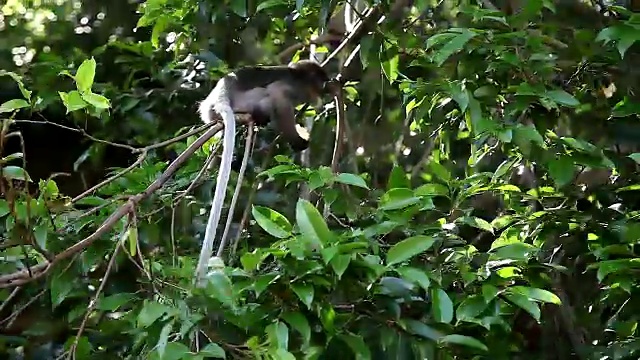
[{"x": 311, "y": 74}]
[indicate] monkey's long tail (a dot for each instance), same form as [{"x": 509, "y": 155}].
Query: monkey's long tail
[{"x": 218, "y": 100}]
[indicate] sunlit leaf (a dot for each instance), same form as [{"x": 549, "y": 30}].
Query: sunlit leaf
[
  {"x": 304, "y": 291},
  {"x": 312, "y": 224},
  {"x": 271, "y": 221},
  {"x": 464, "y": 340},
  {"x": 13, "y": 105},
  {"x": 408, "y": 248},
  {"x": 85, "y": 75},
  {"x": 213, "y": 350},
  {"x": 299, "y": 323},
  {"x": 351, "y": 179},
  {"x": 442, "y": 308}
]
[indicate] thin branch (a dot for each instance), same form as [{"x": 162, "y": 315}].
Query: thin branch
[
  {"x": 356, "y": 34},
  {"x": 9, "y": 320},
  {"x": 320, "y": 40},
  {"x": 8, "y": 300},
  {"x": 94, "y": 301},
  {"x": 234, "y": 199},
  {"x": 174, "y": 139},
  {"x": 247, "y": 209},
  {"x": 337, "y": 146},
  {"x": 110, "y": 179},
  {"x": 76, "y": 130},
  {"x": 200, "y": 174}
]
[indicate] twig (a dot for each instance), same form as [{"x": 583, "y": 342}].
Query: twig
[
  {"x": 200, "y": 174},
  {"x": 354, "y": 36},
  {"x": 173, "y": 140},
  {"x": 234, "y": 199},
  {"x": 320, "y": 40},
  {"x": 247, "y": 209},
  {"x": 94, "y": 301},
  {"x": 110, "y": 179},
  {"x": 337, "y": 146},
  {"x": 80, "y": 131},
  {"x": 9, "y": 298},
  {"x": 9, "y": 320}
]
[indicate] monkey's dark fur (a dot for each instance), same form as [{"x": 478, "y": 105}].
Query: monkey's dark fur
[{"x": 270, "y": 93}]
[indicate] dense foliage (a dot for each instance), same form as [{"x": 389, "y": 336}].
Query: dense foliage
[{"x": 484, "y": 206}]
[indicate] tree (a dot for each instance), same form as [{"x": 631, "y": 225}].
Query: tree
[{"x": 479, "y": 201}]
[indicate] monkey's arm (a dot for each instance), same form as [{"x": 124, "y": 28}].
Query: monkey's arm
[{"x": 282, "y": 114}]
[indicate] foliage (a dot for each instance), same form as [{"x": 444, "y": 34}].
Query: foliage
[{"x": 485, "y": 205}]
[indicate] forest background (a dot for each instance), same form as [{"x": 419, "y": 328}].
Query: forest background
[{"x": 477, "y": 197}]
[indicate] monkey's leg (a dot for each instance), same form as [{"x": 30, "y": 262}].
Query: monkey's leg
[{"x": 284, "y": 117}]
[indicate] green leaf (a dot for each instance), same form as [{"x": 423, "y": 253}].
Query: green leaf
[
  {"x": 161, "y": 24},
  {"x": 270, "y": 3},
  {"x": 340, "y": 263},
  {"x": 464, "y": 340},
  {"x": 635, "y": 157},
  {"x": 357, "y": 345},
  {"x": 351, "y": 179},
  {"x": 305, "y": 292},
  {"x": 418, "y": 328},
  {"x": 452, "y": 46},
  {"x": 562, "y": 97},
  {"x": 4, "y": 207},
  {"x": 523, "y": 302},
  {"x": 263, "y": 281},
  {"x": 478, "y": 223},
  {"x": 61, "y": 286},
  {"x": 163, "y": 338},
  {"x": 312, "y": 224},
  {"x": 18, "y": 79},
  {"x": 432, "y": 190},
  {"x": 220, "y": 287},
  {"x": 251, "y": 260},
  {"x": 114, "y": 302},
  {"x": 15, "y": 173},
  {"x": 390, "y": 68},
  {"x": 299, "y": 323},
  {"x": 271, "y": 221},
  {"x": 442, "y": 308},
  {"x": 72, "y": 101},
  {"x": 176, "y": 351},
  {"x": 471, "y": 307},
  {"x": 281, "y": 354},
  {"x": 516, "y": 251},
  {"x": 416, "y": 276},
  {"x": 239, "y": 7},
  {"x": 537, "y": 294},
  {"x": 398, "y": 178},
  {"x": 561, "y": 170},
  {"x": 440, "y": 171},
  {"x": 459, "y": 94},
  {"x": 13, "y": 105},
  {"x": 151, "y": 311},
  {"x": 40, "y": 233},
  {"x": 85, "y": 74},
  {"x": 615, "y": 266},
  {"x": 278, "y": 334},
  {"x": 408, "y": 248},
  {"x": 96, "y": 100},
  {"x": 395, "y": 287},
  {"x": 213, "y": 350},
  {"x": 398, "y": 198}
]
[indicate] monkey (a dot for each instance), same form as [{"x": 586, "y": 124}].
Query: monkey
[{"x": 268, "y": 94}]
